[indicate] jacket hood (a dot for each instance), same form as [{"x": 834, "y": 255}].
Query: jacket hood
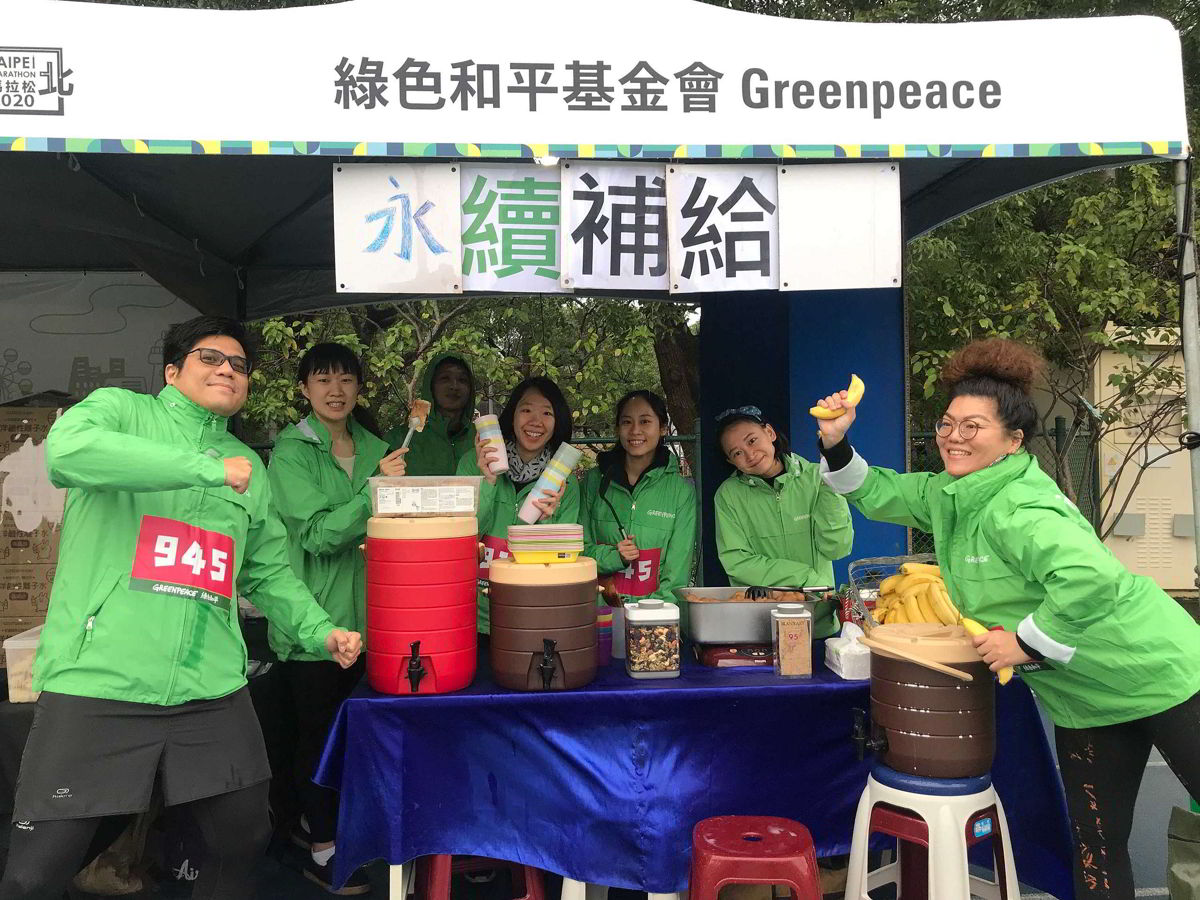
[
  {"x": 973, "y": 491},
  {"x": 425, "y": 391},
  {"x": 309, "y": 430}
]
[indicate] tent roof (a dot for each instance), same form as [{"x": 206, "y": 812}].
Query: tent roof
[{"x": 197, "y": 145}]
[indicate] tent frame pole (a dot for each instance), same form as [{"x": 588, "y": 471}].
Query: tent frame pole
[{"x": 1190, "y": 326}]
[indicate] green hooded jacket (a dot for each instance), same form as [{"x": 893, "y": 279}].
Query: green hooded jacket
[
  {"x": 433, "y": 451},
  {"x": 498, "y": 505},
  {"x": 326, "y": 514},
  {"x": 660, "y": 514},
  {"x": 1016, "y": 553},
  {"x": 783, "y": 536},
  {"x": 154, "y": 551}
]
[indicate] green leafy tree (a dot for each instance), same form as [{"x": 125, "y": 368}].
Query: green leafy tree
[{"x": 1080, "y": 269}]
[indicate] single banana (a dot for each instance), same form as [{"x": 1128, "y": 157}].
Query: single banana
[
  {"x": 854, "y": 394},
  {"x": 925, "y": 602},
  {"x": 946, "y": 611},
  {"x": 915, "y": 568},
  {"x": 898, "y": 616},
  {"x": 1004, "y": 676}
]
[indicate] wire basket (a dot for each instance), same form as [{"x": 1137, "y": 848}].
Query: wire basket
[{"x": 866, "y": 576}]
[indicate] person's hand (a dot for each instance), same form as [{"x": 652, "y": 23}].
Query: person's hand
[
  {"x": 344, "y": 646},
  {"x": 393, "y": 464},
  {"x": 628, "y": 549},
  {"x": 237, "y": 473},
  {"x": 833, "y": 430},
  {"x": 548, "y": 502},
  {"x": 485, "y": 455},
  {"x": 1000, "y": 649}
]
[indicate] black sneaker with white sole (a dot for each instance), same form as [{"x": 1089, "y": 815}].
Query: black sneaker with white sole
[{"x": 323, "y": 875}]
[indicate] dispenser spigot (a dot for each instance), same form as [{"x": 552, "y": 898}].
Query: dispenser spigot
[
  {"x": 546, "y": 666},
  {"x": 861, "y": 735},
  {"x": 416, "y": 671}
]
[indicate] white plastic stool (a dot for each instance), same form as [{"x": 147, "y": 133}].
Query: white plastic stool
[
  {"x": 953, "y": 814},
  {"x": 577, "y": 890}
]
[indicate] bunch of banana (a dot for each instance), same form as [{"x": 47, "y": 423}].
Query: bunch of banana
[{"x": 915, "y": 594}]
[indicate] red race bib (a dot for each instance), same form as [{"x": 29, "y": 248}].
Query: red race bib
[
  {"x": 640, "y": 577},
  {"x": 493, "y": 548},
  {"x": 176, "y": 559}
]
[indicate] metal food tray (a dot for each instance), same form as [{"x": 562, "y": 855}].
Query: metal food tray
[{"x": 732, "y": 622}]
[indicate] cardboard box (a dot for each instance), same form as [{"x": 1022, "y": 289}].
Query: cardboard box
[
  {"x": 25, "y": 591},
  {"x": 14, "y": 625},
  {"x": 31, "y": 508}
]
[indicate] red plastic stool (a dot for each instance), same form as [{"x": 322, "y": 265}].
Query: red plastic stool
[
  {"x": 753, "y": 850},
  {"x": 433, "y": 876}
]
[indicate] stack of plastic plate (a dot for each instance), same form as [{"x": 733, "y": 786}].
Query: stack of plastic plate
[{"x": 545, "y": 543}]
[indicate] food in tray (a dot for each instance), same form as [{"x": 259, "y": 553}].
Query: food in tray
[
  {"x": 742, "y": 597},
  {"x": 418, "y": 414}
]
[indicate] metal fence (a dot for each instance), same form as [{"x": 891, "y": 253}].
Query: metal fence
[{"x": 1083, "y": 473}]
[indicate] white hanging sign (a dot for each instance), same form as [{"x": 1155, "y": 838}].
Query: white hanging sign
[
  {"x": 510, "y": 228},
  {"x": 396, "y": 228},
  {"x": 839, "y": 226},
  {"x": 724, "y": 228},
  {"x": 615, "y": 225}
]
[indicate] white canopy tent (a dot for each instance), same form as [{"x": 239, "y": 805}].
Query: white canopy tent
[{"x": 197, "y": 145}]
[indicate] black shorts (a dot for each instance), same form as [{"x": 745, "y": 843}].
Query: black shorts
[{"x": 89, "y": 757}]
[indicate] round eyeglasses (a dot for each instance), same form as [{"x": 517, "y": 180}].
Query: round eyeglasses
[{"x": 967, "y": 429}]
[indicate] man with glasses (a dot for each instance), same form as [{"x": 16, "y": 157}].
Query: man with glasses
[{"x": 141, "y": 665}]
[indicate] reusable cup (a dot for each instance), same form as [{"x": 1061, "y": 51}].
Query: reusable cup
[
  {"x": 487, "y": 426},
  {"x": 553, "y": 477}
]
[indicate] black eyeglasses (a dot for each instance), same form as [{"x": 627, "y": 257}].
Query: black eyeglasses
[
  {"x": 966, "y": 429},
  {"x": 216, "y": 358}
]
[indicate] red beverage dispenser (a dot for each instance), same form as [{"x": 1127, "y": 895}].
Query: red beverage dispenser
[{"x": 421, "y": 631}]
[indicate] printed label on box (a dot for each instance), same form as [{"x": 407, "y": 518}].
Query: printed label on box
[{"x": 446, "y": 498}]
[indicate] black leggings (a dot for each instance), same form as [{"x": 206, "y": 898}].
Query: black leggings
[
  {"x": 317, "y": 690},
  {"x": 1102, "y": 771},
  {"x": 43, "y": 857}
]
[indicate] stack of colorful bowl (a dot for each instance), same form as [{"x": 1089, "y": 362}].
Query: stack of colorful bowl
[{"x": 545, "y": 543}]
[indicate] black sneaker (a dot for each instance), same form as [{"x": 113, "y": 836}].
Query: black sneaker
[{"x": 323, "y": 875}]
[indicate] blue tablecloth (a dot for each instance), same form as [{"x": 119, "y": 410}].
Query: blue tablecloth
[{"x": 604, "y": 784}]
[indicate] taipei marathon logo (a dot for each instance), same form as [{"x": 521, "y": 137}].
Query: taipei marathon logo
[{"x": 33, "y": 81}]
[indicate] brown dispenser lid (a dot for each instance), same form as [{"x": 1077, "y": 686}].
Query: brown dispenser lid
[
  {"x": 508, "y": 571},
  {"x": 422, "y": 529},
  {"x": 937, "y": 643}
]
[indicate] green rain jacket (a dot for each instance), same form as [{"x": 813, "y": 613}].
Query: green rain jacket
[
  {"x": 433, "y": 451},
  {"x": 498, "y": 505},
  {"x": 326, "y": 515},
  {"x": 783, "y": 536},
  {"x": 155, "y": 549},
  {"x": 1015, "y": 552},
  {"x": 660, "y": 514}
]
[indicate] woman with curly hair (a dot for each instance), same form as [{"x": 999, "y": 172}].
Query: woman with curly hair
[{"x": 1118, "y": 660}]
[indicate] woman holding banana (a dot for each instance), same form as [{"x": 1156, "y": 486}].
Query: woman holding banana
[
  {"x": 778, "y": 526},
  {"x": 1118, "y": 660}
]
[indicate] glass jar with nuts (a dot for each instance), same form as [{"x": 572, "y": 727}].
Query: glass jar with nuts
[{"x": 652, "y": 639}]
